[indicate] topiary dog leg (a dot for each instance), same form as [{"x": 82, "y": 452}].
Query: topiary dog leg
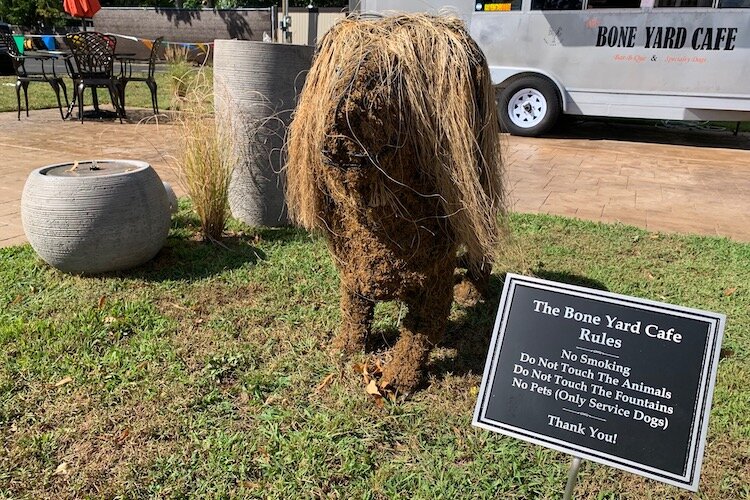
[
  {"x": 423, "y": 328},
  {"x": 356, "y": 321},
  {"x": 477, "y": 273}
]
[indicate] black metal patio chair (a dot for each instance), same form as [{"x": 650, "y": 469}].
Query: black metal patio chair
[
  {"x": 127, "y": 75},
  {"x": 26, "y": 76},
  {"x": 94, "y": 56}
]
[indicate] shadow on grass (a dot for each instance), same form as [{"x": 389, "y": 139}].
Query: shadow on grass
[
  {"x": 570, "y": 279},
  {"x": 470, "y": 335},
  {"x": 186, "y": 257}
]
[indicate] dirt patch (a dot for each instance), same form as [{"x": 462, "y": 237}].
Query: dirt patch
[
  {"x": 97, "y": 447},
  {"x": 199, "y": 304}
]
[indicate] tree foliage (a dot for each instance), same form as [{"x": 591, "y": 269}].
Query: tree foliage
[
  {"x": 137, "y": 3},
  {"x": 32, "y": 13},
  {"x": 221, "y": 4},
  {"x": 38, "y": 14}
]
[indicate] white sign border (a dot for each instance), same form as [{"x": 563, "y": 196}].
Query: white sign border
[{"x": 715, "y": 322}]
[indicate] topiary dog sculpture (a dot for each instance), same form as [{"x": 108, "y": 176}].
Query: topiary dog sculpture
[{"x": 394, "y": 156}]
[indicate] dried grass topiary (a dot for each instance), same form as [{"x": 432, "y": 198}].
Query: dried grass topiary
[{"x": 394, "y": 155}]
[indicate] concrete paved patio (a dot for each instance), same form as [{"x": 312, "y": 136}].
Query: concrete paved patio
[{"x": 661, "y": 179}]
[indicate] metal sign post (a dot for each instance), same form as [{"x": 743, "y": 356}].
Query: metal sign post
[{"x": 572, "y": 478}]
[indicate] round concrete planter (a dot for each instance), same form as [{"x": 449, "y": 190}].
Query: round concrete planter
[
  {"x": 258, "y": 83},
  {"x": 101, "y": 216}
]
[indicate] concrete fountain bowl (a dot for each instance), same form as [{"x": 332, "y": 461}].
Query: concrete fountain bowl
[{"x": 95, "y": 216}]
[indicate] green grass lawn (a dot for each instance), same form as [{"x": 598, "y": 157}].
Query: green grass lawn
[
  {"x": 41, "y": 95},
  {"x": 206, "y": 374}
]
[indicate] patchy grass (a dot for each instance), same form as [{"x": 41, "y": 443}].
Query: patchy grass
[
  {"x": 41, "y": 95},
  {"x": 205, "y": 374}
]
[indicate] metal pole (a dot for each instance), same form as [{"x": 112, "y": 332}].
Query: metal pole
[
  {"x": 572, "y": 478},
  {"x": 286, "y": 32}
]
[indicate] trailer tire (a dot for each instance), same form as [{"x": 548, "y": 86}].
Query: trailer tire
[{"x": 529, "y": 106}]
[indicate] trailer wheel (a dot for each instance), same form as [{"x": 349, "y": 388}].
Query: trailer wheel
[{"x": 529, "y": 106}]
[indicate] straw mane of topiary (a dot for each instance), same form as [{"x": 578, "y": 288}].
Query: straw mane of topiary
[{"x": 429, "y": 74}]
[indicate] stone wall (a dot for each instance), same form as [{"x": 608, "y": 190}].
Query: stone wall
[
  {"x": 185, "y": 25},
  {"x": 197, "y": 26},
  {"x": 182, "y": 25}
]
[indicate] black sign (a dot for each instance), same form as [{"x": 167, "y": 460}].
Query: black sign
[{"x": 614, "y": 379}]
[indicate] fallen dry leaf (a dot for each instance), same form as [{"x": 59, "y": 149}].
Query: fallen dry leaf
[
  {"x": 730, "y": 291},
  {"x": 361, "y": 368},
  {"x": 724, "y": 353},
  {"x": 64, "y": 381},
  {"x": 122, "y": 435},
  {"x": 102, "y": 301},
  {"x": 62, "y": 469},
  {"x": 379, "y": 393},
  {"x": 325, "y": 383},
  {"x": 372, "y": 389},
  {"x": 17, "y": 300}
]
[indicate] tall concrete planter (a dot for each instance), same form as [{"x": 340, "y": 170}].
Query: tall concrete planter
[
  {"x": 258, "y": 83},
  {"x": 101, "y": 216}
]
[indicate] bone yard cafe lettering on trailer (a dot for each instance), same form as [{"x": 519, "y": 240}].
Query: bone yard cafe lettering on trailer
[
  {"x": 618, "y": 380},
  {"x": 667, "y": 37}
]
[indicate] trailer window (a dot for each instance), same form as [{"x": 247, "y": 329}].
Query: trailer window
[
  {"x": 734, "y": 4},
  {"x": 684, "y": 3},
  {"x": 556, "y": 4},
  {"x": 614, "y": 4}
]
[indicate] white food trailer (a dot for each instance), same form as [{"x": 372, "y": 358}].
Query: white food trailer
[{"x": 660, "y": 59}]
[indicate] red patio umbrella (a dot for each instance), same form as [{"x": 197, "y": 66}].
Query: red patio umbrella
[{"x": 82, "y": 8}]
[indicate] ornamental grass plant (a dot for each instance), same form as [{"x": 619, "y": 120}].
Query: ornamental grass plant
[
  {"x": 179, "y": 73},
  {"x": 205, "y": 160}
]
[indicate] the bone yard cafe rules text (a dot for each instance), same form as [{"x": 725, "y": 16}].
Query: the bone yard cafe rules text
[{"x": 614, "y": 379}]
